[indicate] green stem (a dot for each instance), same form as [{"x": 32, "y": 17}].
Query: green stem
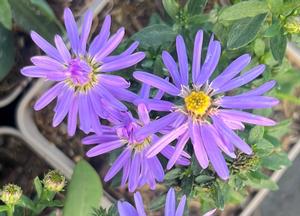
[{"x": 10, "y": 210}]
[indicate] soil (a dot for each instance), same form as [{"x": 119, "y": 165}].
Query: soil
[
  {"x": 24, "y": 48},
  {"x": 18, "y": 164}
]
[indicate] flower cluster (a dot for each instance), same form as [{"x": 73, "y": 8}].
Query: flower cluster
[{"x": 203, "y": 113}]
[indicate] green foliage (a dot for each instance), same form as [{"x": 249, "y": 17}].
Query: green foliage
[
  {"x": 171, "y": 7},
  {"x": 5, "y": 11},
  {"x": 243, "y": 9},
  {"x": 84, "y": 191},
  {"x": 244, "y": 31},
  {"x": 31, "y": 16},
  {"x": 195, "y": 7},
  {"x": 7, "y": 51}
]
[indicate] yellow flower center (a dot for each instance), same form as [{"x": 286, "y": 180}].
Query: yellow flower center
[
  {"x": 197, "y": 103},
  {"x": 141, "y": 145}
]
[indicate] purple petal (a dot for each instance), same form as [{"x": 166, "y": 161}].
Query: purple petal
[
  {"x": 126, "y": 172},
  {"x": 181, "y": 205},
  {"x": 86, "y": 28},
  {"x": 96, "y": 139},
  {"x": 47, "y": 63},
  {"x": 104, "y": 148},
  {"x": 72, "y": 116},
  {"x": 156, "y": 82},
  {"x": 248, "y": 102},
  {"x": 62, "y": 49},
  {"x": 63, "y": 106},
  {"x": 250, "y": 118},
  {"x": 210, "y": 213},
  {"x": 122, "y": 94},
  {"x": 183, "y": 60},
  {"x": 122, "y": 62},
  {"x": 260, "y": 90},
  {"x": 178, "y": 150},
  {"x": 95, "y": 122},
  {"x": 126, "y": 209},
  {"x": 101, "y": 38},
  {"x": 113, "y": 81},
  {"x": 110, "y": 45},
  {"x": 234, "y": 125},
  {"x": 157, "y": 105},
  {"x": 127, "y": 52},
  {"x": 143, "y": 114},
  {"x": 118, "y": 164},
  {"x": 210, "y": 63},
  {"x": 157, "y": 168},
  {"x": 48, "y": 96},
  {"x": 45, "y": 46},
  {"x": 84, "y": 114},
  {"x": 231, "y": 71},
  {"x": 197, "y": 55},
  {"x": 231, "y": 136},
  {"x": 197, "y": 141},
  {"x": 72, "y": 30},
  {"x": 156, "y": 125},
  {"x": 134, "y": 172},
  {"x": 139, "y": 204},
  {"x": 172, "y": 68},
  {"x": 214, "y": 154},
  {"x": 170, "y": 203},
  {"x": 242, "y": 79},
  {"x": 166, "y": 140},
  {"x": 144, "y": 91},
  {"x": 34, "y": 71}
]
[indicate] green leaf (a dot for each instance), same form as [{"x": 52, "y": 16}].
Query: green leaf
[
  {"x": 276, "y": 161},
  {"x": 280, "y": 129},
  {"x": 84, "y": 191},
  {"x": 278, "y": 46},
  {"x": 244, "y": 31},
  {"x": 25, "y": 202},
  {"x": 203, "y": 179},
  {"x": 38, "y": 186},
  {"x": 244, "y": 9},
  {"x": 158, "y": 203},
  {"x": 273, "y": 30},
  {"x": 259, "y": 47},
  {"x": 218, "y": 196},
  {"x": 3, "y": 208},
  {"x": 155, "y": 36},
  {"x": 196, "y": 6},
  {"x": 5, "y": 17},
  {"x": 259, "y": 180},
  {"x": 7, "y": 51},
  {"x": 256, "y": 134},
  {"x": 263, "y": 147},
  {"x": 30, "y": 17},
  {"x": 173, "y": 174},
  {"x": 172, "y": 7}
]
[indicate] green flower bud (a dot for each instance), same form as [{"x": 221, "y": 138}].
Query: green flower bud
[
  {"x": 11, "y": 194},
  {"x": 292, "y": 27},
  {"x": 54, "y": 181}
]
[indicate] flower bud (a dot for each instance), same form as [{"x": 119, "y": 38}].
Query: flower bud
[
  {"x": 54, "y": 181},
  {"x": 292, "y": 27},
  {"x": 11, "y": 194}
]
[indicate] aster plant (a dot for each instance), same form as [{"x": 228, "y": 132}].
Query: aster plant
[
  {"x": 204, "y": 114},
  {"x": 194, "y": 117},
  {"x": 82, "y": 73}
]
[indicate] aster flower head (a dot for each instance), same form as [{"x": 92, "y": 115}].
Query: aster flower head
[
  {"x": 126, "y": 209},
  {"x": 83, "y": 87},
  {"x": 137, "y": 169},
  {"x": 205, "y": 115}
]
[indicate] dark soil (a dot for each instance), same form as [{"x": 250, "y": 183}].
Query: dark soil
[{"x": 18, "y": 164}]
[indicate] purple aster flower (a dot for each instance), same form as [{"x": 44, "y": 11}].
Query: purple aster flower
[
  {"x": 205, "y": 115},
  {"x": 126, "y": 209},
  {"x": 83, "y": 88},
  {"x": 137, "y": 169}
]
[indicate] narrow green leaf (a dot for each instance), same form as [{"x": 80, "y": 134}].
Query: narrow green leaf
[
  {"x": 244, "y": 31},
  {"x": 171, "y": 7},
  {"x": 84, "y": 191},
  {"x": 5, "y": 14},
  {"x": 38, "y": 186},
  {"x": 278, "y": 46},
  {"x": 218, "y": 196},
  {"x": 173, "y": 174},
  {"x": 196, "y": 6},
  {"x": 263, "y": 147},
  {"x": 158, "y": 203},
  {"x": 203, "y": 179},
  {"x": 3, "y": 208},
  {"x": 273, "y": 30},
  {"x": 7, "y": 51},
  {"x": 244, "y": 9},
  {"x": 280, "y": 129},
  {"x": 26, "y": 202},
  {"x": 276, "y": 161},
  {"x": 29, "y": 17}
]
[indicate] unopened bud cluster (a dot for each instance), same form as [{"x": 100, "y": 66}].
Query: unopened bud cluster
[
  {"x": 11, "y": 194},
  {"x": 54, "y": 181}
]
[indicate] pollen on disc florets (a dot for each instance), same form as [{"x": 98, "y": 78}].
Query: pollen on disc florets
[
  {"x": 197, "y": 103},
  {"x": 139, "y": 146},
  {"x": 81, "y": 74}
]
